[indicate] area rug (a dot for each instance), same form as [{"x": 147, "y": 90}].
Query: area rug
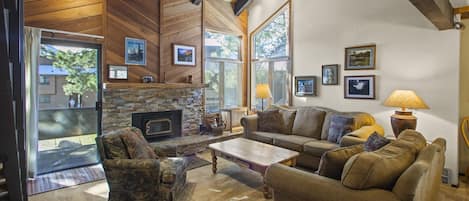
[
  {"x": 64, "y": 179},
  {"x": 196, "y": 162}
]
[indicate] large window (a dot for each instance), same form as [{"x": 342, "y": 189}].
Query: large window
[
  {"x": 223, "y": 71},
  {"x": 270, "y": 61}
]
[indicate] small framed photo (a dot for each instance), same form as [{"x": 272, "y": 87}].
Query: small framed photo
[
  {"x": 330, "y": 74},
  {"x": 360, "y": 87},
  {"x": 118, "y": 72},
  {"x": 135, "y": 51},
  {"x": 183, "y": 55},
  {"x": 306, "y": 86},
  {"x": 360, "y": 57}
]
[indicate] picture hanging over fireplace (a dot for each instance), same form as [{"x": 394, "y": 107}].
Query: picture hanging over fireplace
[
  {"x": 135, "y": 51},
  {"x": 183, "y": 55}
]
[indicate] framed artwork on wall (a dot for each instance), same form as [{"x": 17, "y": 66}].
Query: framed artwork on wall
[
  {"x": 360, "y": 58},
  {"x": 183, "y": 55},
  {"x": 330, "y": 74},
  {"x": 118, "y": 72},
  {"x": 360, "y": 87},
  {"x": 135, "y": 51},
  {"x": 306, "y": 86}
]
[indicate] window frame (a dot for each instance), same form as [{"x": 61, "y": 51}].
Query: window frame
[
  {"x": 222, "y": 62},
  {"x": 44, "y": 80},
  {"x": 271, "y": 61}
]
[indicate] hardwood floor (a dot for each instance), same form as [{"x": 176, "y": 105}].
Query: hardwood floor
[{"x": 231, "y": 183}]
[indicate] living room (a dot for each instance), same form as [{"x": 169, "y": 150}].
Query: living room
[{"x": 226, "y": 100}]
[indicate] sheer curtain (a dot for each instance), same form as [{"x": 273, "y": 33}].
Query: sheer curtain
[{"x": 32, "y": 48}]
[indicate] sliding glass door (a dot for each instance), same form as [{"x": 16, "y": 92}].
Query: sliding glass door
[{"x": 68, "y": 120}]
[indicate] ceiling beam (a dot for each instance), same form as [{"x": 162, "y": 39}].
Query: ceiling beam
[
  {"x": 464, "y": 11},
  {"x": 439, "y": 12}
]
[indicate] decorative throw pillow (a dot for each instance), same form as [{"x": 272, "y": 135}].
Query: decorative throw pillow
[
  {"x": 375, "y": 142},
  {"x": 137, "y": 146},
  {"x": 270, "y": 121},
  {"x": 340, "y": 125},
  {"x": 333, "y": 161}
]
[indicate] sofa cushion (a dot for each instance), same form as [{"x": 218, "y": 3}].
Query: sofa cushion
[
  {"x": 288, "y": 117},
  {"x": 137, "y": 146},
  {"x": 308, "y": 122},
  {"x": 317, "y": 148},
  {"x": 340, "y": 125},
  {"x": 264, "y": 137},
  {"x": 375, "y": 142},
  {"x": 270, "y": 121},
  {"x": 333, "y": 161},
  {"x": 381, "y": 168},
  {"x": 292, "y": 142},
  {"x": 428, "y": 165}
]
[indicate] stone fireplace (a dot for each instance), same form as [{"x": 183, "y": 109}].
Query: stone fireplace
[
  {"x": 121, "y": 102},
  {"x": 158, "y": 125}
]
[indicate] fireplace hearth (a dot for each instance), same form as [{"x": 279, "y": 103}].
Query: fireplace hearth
[{"x": 158, "y": 126}]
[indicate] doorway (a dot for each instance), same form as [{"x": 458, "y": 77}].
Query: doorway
[{"x": 68, "y": 90}]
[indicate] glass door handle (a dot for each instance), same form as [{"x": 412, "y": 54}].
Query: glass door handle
[{"x": 99, "y": 106}]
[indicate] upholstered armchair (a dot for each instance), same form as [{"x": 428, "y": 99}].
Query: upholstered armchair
[{"x": 133, "y": 170}]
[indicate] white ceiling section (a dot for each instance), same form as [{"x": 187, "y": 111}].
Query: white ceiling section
[{"x": 459, "y": 3}]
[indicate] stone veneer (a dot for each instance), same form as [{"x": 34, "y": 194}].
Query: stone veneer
[{"x": 119, "y": 104}]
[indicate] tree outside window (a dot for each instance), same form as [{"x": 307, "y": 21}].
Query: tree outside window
[
  {"x": 271, "y": 59},
  {"x": 223, "y": 71}
]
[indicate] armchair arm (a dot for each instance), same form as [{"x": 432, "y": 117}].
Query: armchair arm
[
  {"x": 360, "y": 135},
  {"x": 249, "y": 124},
  {"x": 295, "y": 184}
]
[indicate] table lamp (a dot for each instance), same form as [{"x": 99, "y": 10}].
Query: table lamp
[
  {"x": 403, "y": 119},
  {"x": 263, "y": 92}
]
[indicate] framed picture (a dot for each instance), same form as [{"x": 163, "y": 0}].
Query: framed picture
[
  {"x": 360, "y": 58},
  {"x": 359, "y": 87},
  {"x": 330, "y": 74},
  {"x": 118, "y": 72},
  {"x": 135, "y": 51},
  {"x": 306, "y": 86},
  {"x": 183, "y": 55}
]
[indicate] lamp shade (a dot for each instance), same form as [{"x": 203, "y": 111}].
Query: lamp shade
[
  {"x": 405, "y": 99},
  {"x": 263, "y": 91}
]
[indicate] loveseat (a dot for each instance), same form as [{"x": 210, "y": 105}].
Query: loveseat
[
  {"x": 406, "y": 169},
  {"x": 306, "y": 130}
]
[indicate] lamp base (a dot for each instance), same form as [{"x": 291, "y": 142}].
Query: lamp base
[{"x": 401, "y": 121}]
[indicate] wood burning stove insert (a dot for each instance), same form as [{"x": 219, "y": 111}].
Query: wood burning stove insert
[{"x": 159, "y": 125}]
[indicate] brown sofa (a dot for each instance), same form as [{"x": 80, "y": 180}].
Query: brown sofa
[
  {"x": 369, "y": 176},
  {"x": 309, "y": 132}
]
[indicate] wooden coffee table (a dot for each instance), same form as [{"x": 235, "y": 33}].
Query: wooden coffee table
[{"x": 254, "y": 155}]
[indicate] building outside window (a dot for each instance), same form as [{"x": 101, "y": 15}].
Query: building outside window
[
  {"x": 44, "y": 80},
  {"x": 223, "y": 71},
  {"x": 44, "y": 99},
  {"x": 271, "y": 59}
]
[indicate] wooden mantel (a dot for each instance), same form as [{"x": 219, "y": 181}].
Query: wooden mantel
[
  {"x": 124, "y": 85},
  {"x": 439, "y": 12}
]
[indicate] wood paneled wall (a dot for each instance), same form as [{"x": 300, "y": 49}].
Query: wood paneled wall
[
  {"x": 160, "y": 22},
  {"x": 219, "y": 16},
  {"x": 81, "y": 16},
  {"x": 135, "y": 19},
  {"x": 181, "y": 23}
]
